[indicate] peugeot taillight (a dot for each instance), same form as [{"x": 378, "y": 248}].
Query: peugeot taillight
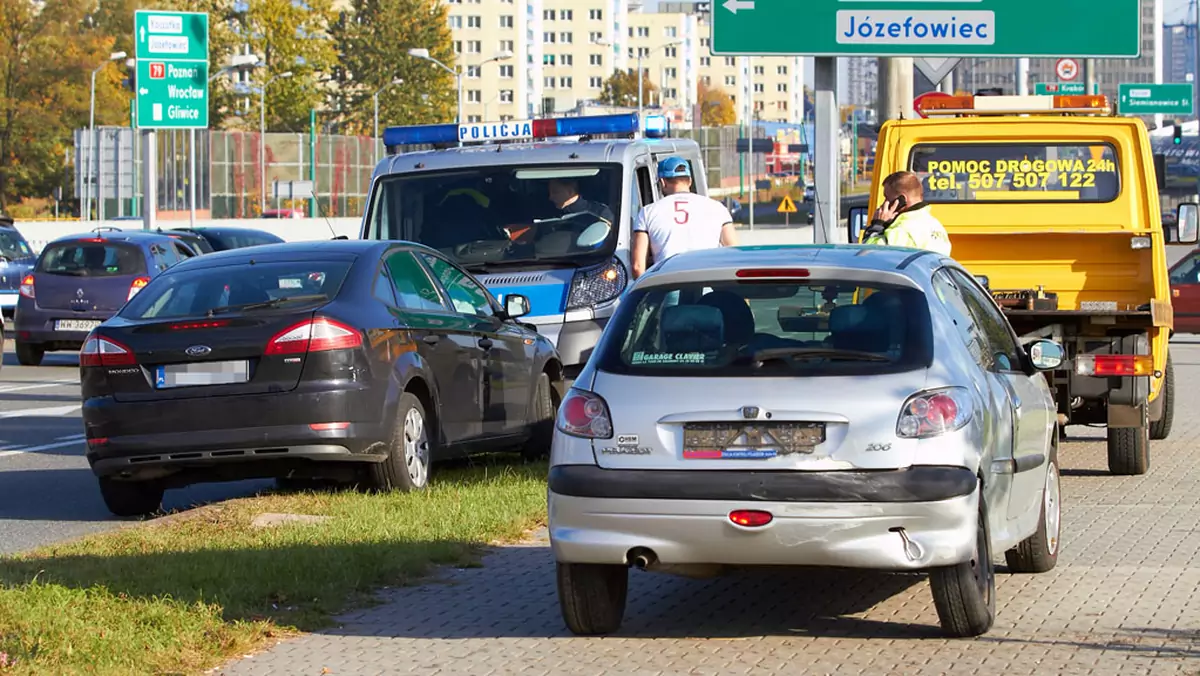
[
  {"x": 932, "y": 413},
  {"x": 102, "y": 351},
  {"x": 315, "y": 335},
  {"x": 137, "y": 285},
  {"x": 584, "y": 414},
  {"x": 27, "y": 287}
]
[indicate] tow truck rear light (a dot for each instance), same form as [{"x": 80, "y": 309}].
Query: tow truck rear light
[
  {"x": 772, "y": 273},
  {"x": 1114, "y": 365},
  {"x": 316, "y": 335},
  {"x": 137, "y": 285},
  {"x": 102, "y": 351},
  {"x": 517, "y": 130},
  {"x": 584, "y": 414},
  {"x": 1014, "y": 104},
  {"x": 27, "y": 287}
]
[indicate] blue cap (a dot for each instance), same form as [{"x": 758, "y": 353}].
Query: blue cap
[{"x": 674, "y": 167}]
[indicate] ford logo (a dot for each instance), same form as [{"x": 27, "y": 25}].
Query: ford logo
[{"x": 198, "y": 350}]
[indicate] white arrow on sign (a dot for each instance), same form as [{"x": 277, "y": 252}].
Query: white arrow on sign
[
  {"x": 143, "y": 34},
  {"x": 936, "y": 69},
  {"x": 735, "y": 5},
  {"x": 143, "y": 91}
]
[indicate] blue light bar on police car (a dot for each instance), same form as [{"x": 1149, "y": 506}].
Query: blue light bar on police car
[{"x": 513, "y": 130}]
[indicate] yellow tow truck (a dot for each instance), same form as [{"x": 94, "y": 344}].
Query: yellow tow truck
[{"x": 1052, "y": 203}]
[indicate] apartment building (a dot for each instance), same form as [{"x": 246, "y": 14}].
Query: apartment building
[{"x": 562, "y": 51}]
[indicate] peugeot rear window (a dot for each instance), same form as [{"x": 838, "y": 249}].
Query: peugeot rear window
[
  {"x": 957, "y": 173},
  {"x": 101, "y": 258},
  {"x": 209, "y": 291},
  {"x": 743, "y": 329}
]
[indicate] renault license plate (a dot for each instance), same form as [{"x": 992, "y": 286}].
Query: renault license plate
[
  {"x": 75, "y": 324},
  {"x": 202, "y": 373},
  {"x": 749, "y": 441}
]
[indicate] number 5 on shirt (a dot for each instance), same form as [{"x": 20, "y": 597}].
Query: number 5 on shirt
[{"x": 681, "y": 213}]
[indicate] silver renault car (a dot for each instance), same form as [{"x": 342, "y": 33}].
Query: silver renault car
[{"x": 843, "y": 405}]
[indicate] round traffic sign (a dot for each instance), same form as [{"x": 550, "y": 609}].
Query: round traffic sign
[
  {"x": 1067, "y": 69},
  {"x": 925, "y": 97}
]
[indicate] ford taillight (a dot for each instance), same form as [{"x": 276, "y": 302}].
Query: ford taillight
[
  {"x": 102, "y": 351},
  {"x": 315, "y": 335}
]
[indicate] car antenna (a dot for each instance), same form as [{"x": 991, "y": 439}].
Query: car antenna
[{"x": 327, "y": 223}]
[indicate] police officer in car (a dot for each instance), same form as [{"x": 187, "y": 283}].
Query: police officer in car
[{"x": 904, "y": 218}]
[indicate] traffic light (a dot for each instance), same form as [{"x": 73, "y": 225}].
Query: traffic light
[{"x": 1178, "y": 133}]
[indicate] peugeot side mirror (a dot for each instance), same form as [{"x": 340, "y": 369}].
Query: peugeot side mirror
[
  {"x": 1046, "y": 355},
  {"x": 516, "y": 305},
  {"x": 1187, "y": 222},
  {"x": 857, "y": 219}
]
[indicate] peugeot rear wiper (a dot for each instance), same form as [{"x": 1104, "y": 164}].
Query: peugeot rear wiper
[{"x": 816, "y": 353}]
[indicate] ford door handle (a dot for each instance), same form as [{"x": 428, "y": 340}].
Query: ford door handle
[
  {"x": 431, "y": 339},
  {"x": 486, "y": 343}
]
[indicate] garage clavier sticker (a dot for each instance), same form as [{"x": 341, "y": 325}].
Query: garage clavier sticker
[{"x": 650, "y": 358}]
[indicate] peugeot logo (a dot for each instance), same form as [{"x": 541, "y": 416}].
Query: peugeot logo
[{"x": 198, "y": 350}]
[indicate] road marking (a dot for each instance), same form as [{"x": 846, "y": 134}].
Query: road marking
[
  {"x": 43, "y": 447},
  {"x": 47, "y": 411},
  {"x": 36, "y": 386}
]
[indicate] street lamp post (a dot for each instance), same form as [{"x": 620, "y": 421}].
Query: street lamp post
[
  {"x": 262, "y": 143},
  {"x": 375, "y": 100},
  {"x": 640, "y": 73},
  {"x": 422, "y": 53},
  {"x": 95, "y": 142}
]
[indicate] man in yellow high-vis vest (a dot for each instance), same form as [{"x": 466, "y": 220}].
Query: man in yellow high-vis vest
[{"x": 904, "y": 218}]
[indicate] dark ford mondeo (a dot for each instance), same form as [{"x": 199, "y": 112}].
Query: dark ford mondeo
[{"x": 348, "y": 360}]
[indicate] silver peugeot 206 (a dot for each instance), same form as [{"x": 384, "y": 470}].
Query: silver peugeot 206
[{"x": 844, "y": 406}]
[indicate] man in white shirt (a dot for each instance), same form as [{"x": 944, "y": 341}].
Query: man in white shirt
[{"x": 680, "y": 221}]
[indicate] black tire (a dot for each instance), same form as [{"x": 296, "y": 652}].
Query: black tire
[
  {"x": 1039, "y": 552},
  {"x": 1161, "y": 428},
  {"x": 406, "y": 469},
  {"x": 1129, "y": 450},
  {"x": 592, "y": 596},
  {"x": 965, "y": 594},
  {"x": 29, "y": 354},
  {"x": 541, "y": 421},
  {"x": 131, "y": 498}
]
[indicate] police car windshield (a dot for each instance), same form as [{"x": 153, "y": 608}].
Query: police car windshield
[{"x": 501, "y": 216}]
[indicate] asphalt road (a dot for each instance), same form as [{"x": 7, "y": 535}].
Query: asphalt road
[{"x": 47, "y": 491}]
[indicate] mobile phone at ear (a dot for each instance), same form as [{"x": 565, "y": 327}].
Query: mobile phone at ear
[{"x": 901, "y": 202}]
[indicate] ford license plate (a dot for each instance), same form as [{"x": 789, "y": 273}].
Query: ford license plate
[
  {"x": 753, "y": 441},
  {"x": 203, "y": 373},
  {"x": 75, "y": 324}
]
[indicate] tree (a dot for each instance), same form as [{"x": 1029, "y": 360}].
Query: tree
[
  {"x": 621, "y": 89},
  {"x": 47, "y": 53},
  {"x": 289, "y": 36},
  {"x": 372, "y": 41},
  {"x": 716, "y": 108}
]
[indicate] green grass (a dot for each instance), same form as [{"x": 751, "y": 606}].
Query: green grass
[{"x": 185, "y": 593}]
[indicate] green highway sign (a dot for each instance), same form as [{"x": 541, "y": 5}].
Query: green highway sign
[
  {"x": 172, "y": 94},
  {"x": 172, "y": 69},
  {"x": 1154, "y": 99},
  {"x": 1063, "y": 88},
  {"x": 918, "y": 28}
]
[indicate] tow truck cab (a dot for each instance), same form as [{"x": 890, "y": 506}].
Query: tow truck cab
[
  {"x": 1052, "y": 203},
  {"x": 543, "y": 208}
]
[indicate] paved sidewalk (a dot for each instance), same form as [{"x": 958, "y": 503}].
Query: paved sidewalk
[{"x": 1123, "y": 600}]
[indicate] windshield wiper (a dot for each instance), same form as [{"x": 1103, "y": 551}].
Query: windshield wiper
[
  {"x": 267, "y": 304},
  {"x": 816, "y": 353}
]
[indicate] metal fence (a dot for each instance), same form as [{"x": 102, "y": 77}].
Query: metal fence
[{"x": 236, "y": 172}]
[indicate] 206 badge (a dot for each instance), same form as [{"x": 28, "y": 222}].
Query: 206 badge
[{"x": 878, "y": 448}]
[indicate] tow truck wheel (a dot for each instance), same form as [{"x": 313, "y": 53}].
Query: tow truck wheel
[
  {"x": 1129, "y": 450},
  {"x": 1161, "y": 428}
]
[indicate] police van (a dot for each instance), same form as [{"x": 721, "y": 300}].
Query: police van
[{"x": 543, "y": 208}]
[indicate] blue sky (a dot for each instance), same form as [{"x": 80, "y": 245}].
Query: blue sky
[{"x": 1174, "y": 11}]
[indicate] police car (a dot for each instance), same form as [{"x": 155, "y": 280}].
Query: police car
[{"x": 543, "y": 208}]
